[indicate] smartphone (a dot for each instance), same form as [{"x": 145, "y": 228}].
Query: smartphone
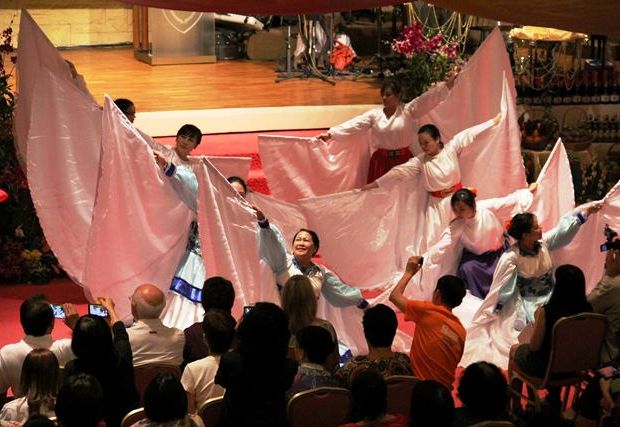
[
  {"x": 59, "y": 312},
  {"x": 609, "y": 372},
  {"x": 421, "y": 262},
  {"x": 247, "y": 309},
  {"x": 97, "y": 310}
]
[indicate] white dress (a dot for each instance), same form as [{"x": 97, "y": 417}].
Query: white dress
[{"x": 440, "y": 172}]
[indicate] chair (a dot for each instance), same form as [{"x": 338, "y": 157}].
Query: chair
[
  {"x": 211, "y": 411},
  {"x": 399, "y": 388},
  {"x": 144, "y": 374},
  {"x": 493, "y": 424},
  {"x": 324, "y": 406},
  {"x": 575, "y": 347},
  {"x": 133, "y": 417}
]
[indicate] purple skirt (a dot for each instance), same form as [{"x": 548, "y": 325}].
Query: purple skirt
[{"x": 477, "y": 270}]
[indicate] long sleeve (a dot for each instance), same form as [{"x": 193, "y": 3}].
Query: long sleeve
[
  {"x": 449, "y": 238},
  {"x": 185, "y": 184},
  {"x": 599, "y": 296},
  {"x": 510, "y": 205},
  {"x": 407, "y": 171},
  {"x": 508, "y": 288},
  {"x": 121, "y": 343},
  {"x": 338, "y": 293},
  {"x": 272, "y": 248},
  {"x": 353, "y": 126},
  {"x": 424, "y": 103},
  {"x": 467, "y": 136},
  {"x": 563, "y": 233}
]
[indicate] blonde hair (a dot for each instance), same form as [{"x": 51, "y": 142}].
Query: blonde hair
[
  {"x": 40, "y": 380},
  {"x": 299, "y": 303}
]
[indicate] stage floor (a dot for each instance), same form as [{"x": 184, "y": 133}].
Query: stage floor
[{"x": 224, "y": 84}]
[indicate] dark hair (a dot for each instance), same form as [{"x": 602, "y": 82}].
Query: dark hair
[
  {"x": 316, "y": 342},
  {"x": 520, "y": 224},
  {"x": 39, "y": 421},
  {"x": 263, "y": 337},
  {"x": 451, "y": 289},
  {"x": 92, "y": 342},
  {"x": 238, "y": 180},
  {"x": 80, "y": 402},
  {"x": 165, "y": 399},
  {"x": 369, "y": 394},
  {"x": 313, "y": 235},
  {"x": 217, "y": 292},
  {"x": 219, "y": 329},
  {"x": 570, "y": 289},
  {"x": 380, "y": 325},
  {"x": 123, "y": 104},
  {"x": 464, "y": 195},
  {"x": 190, "y": 131},
  {"x": 483, "y": 389},
  {"x": 393, "y": 85},
  {"x": 430, "y": 130},
  {"x": 36, "y": 316},
  {"x": 431, "y": 405},
  {"x": 39, "y": 380}
]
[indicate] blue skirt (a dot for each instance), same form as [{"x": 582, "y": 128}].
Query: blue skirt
[{"x": 477, "y": 270}]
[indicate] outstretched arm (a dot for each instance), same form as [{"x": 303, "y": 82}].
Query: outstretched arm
[
  {"x": 467, "y": 136},
  {"x": 397, "y": 296},
  {"x": 354, "y": 126},
  {"x": 340, "y": 294},
  {"x": 182, "y": 178},
  {"x": 407, "y": 171},
  {"x": 563, "y": 233},
  {"x": 271, "y": 245}
]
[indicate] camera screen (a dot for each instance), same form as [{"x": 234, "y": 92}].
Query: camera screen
[
  {"x": 97, "y": 310},
  {"x": 247, "y": 309},
  {"x": 59, "y": 312}
]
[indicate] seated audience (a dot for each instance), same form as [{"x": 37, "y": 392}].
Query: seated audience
[
  {"x": 106, "y": 355},
  {"x": 219, "y": 293},
  {"x": 431, "y": 405},
  {"x": 370, "y": 401},
  {"x": 199, "y": 377},
  {"x": 568, "y": 298},
  {"x": 257, "y": 373},
  {"x": 37, "y": 320},
  {"x": 380, "y": 326},
  {"x": 165, "y": 404},
  {"x": 39, "y": 382},
  {"x": 151, "y": 341},
  {"x": 80, "y": 402},
  {"x": 439, "y": 336},
  {"x": 315, "y": 346},
  {"x": 483, "y": 390},
  {"x": 300, "y": 304}
]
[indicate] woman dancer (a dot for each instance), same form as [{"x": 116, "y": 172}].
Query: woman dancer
[{"x": 391, "y": 125}]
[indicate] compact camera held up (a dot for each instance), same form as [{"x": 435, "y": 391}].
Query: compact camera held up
[{"x": 610, "y": 239}]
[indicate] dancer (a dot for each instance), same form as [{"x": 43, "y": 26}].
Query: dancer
[
  {"x": 272, "y": 249},
  {"x": 439, "y": 170},
  {"x": 127, "y": 107},
  {"x": 522, "y": 282},
  {"x": 476, "y": 238},
  {"x": 391, "y": 125}
]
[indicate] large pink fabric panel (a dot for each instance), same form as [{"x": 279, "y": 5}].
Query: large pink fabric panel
[
  {"x": 63, "y": 165},
  {"x": 289, "y": 217},
  {"x": 140, "y": 227},
  {"x": 232, "y": 166},
  {"x": 304, "y": 167}
]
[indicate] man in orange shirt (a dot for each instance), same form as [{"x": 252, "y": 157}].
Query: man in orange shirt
[{"x": 439, "y": 336}]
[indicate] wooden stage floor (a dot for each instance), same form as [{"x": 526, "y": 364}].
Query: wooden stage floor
[{"x": 224, "y": 84}]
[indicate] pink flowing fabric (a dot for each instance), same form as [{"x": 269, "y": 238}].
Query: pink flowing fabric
[
  {"x": 139, "y": 226},
  {"x": 289, "y": 217}
]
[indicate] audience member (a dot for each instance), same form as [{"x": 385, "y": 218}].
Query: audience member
[
  {"x": 431, "y": 405},
  {"x": 37, "y": 320},
  {"x": 315, "y": 346},
  {"x": 257, "y": 373},
  {"x": 39, "y": 382},
  {"x": 80, "y": 402},
  {"x": 568, "y": 298},
  {"x": 106, "y": 355},
  {"x": 300, "y": 304},
  {"x": 605, "y": 299},
  {"x": 380, "y": 324},
  {"x": 483, "y": 390},
  {"x": 151, "y": 341},
  {"x": 370, "y": 401},
  {"x": 219, "y": 293},
  {"x": 439, "y": 336},
  {"x": 165, "y": 404},
  {"x": 39, "y": 421},
  {"x": 199, "y": 377}
]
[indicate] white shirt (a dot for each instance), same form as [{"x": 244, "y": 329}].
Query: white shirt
[
  {"x": 12, "y": 358},
  {"x": 17, "y": 411},
  {"x": 399, "y": 129},
  {"x": 152, "y": 342},
  {"x": 199, "y": 379}
]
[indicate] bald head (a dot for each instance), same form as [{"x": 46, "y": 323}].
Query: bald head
[{"x": 147, "y": 302}]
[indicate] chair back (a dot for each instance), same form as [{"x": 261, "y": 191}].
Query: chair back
[
  {"x": 211, "y": 411},
  {"x": 133, "y": 417},
  {"x": 324, "y": 406},
  {"x": 493, "y": 424},
  {"x": 144, "y": 374},
  {"x": 399, "y": 388},
  {"x": 576, "y": 344}
]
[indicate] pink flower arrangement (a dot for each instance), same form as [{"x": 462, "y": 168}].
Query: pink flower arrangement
[{"x": 413, "y": 41}]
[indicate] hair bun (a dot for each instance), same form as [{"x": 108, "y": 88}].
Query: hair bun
[{"x": 474, "y": 190}]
